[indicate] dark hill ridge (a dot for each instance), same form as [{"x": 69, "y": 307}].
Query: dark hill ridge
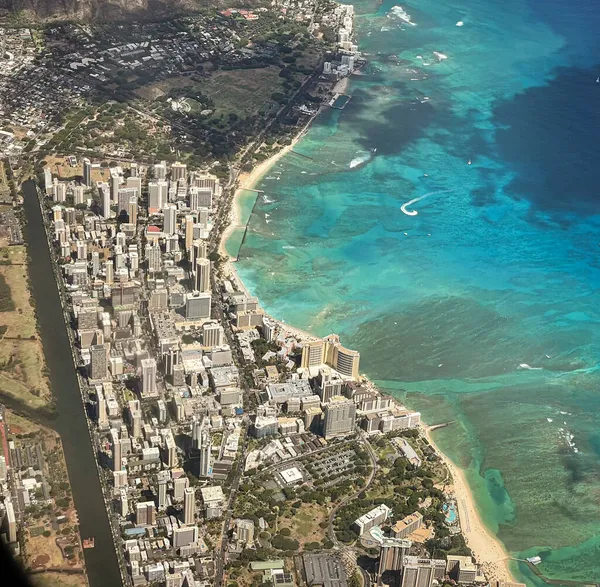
[{"x": 109, "y": 10}]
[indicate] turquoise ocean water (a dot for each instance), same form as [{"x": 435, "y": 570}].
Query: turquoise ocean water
[{"x": 483, "y": 309}]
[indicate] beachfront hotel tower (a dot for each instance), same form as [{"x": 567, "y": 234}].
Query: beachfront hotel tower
[{"x": 330, "y": 352}]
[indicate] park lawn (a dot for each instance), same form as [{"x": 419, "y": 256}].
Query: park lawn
[
  {"x": 21, "y": 353},
  {"x": 242, "y": 91},
  {"x": 38, "y": 546},
  {"x": 19, "y": 425},
  {"x": 304, "y": 524},
  {"x": 58, "y": 580},
  {"x": 155, "y": 90}
]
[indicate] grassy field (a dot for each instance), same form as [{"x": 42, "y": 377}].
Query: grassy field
[
  {"x": 242, "y": 91},
  {"x": 22, "y": 364},
  {"x": 304, "y": 525},
  {"x": 58, "y": 580}
]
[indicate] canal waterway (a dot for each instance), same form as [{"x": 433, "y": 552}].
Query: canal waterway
[{"x": 70, "y": 422}]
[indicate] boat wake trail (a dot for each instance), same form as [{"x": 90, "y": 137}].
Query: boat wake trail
[{"x": 411, "y": 202}]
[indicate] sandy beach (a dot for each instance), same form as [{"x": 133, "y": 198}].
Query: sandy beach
[
  {"x": 249, "y": 179},
  {"x": 487, "y": 549}
]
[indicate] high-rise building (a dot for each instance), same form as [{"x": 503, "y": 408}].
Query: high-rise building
[
  {"x": 339, "y": 417},
  {"x": 202, "y": 275},
  {"x": 145, "y": 514},
  {"x": 178, "y": 171},
  {"x": 116, "y": 453},
  {"x": 105, "y": 198},
  {"x": 462, "y": 568},
  {"x": 135, "y": 417},
  {"x": 189, "y": 232},
  {"x": 11, "y": 522},
  {"x": 102, "y": 414},
  {"x": 60, "y": 192},
  {"x": 422, "y": 572},
  {"x": 244, "y": 530},
  {"x": 179, "y": 486},
  {"x": 115, "y": 182},
  {"x": 160, "y": 170},
  {"x": 330, "y": 352},
  {"x": 3, "y": 469},
  {"x": 120, "y": 479},
  {"x": 374, "y": 517},
  {"x": 162, "y": 493},
  {"x": 170, "y": 223},
  {"x": 189, "y": 506},
  {"x": 392, "y": 553},
  {"x": 153, "y": 257},
  {"x": 403, "y": 528},
  {"x": 98, "y": 362},
  {"x": 87, "y": 172},
  {"x": 126, "y": 196},
  {"x": 109, "y": 269},
  {"x": 47, "y": 180},
  {"x": 132, "y": 211},
  {"x": 205, "y": 464},
  {"x": 81, "y": 250},
  {"x": 197, "y": 306},
  {"x": 95, "y": 263},
  {"x": 157, "y": 194},
  {"x": 212, "y": 334},
  {"x": 148, "y": 376},
  {"x": 78, "y": 194},
  {"x": 199, "y": 251},
  {"x": 200, "y": 198}
]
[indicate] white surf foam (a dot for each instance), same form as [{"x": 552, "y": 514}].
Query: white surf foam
[
  {"x": 528, "y": 367},
  {"x": 399, "y": 12},
  {"x": 362, "y": 158}
]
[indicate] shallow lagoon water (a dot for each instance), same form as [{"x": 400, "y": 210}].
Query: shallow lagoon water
[{"x": 483, "y": 308}]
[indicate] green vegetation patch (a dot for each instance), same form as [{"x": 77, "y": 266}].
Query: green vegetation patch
[
  {"x": 6, "y": 302},
  {"x": 242, "y": 91}
]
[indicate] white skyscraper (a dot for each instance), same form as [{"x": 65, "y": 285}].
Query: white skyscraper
[
  {"x": 115, "y": 182},
  {"x": 160, "y": 170},
  {"x": 148, "y": 376},
  {"x": 104, "y": 189},
  {"x": 205, "y": 465},
  {"x": 157, "y": 194},
  {"x": 202, "y": 275},
  {"x": 153, "y": 257},
  {"x": 189, "y": 506}
]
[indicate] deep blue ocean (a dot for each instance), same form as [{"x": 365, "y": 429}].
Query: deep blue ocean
[{"x": 484, "y": 307}]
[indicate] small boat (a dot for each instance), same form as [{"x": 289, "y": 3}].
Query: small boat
[
  {"x": 88, "y": 543},
  {"x": 598, "y": 80},
  {"x": 469, "y": 162}
]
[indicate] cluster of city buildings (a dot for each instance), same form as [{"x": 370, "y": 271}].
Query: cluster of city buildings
[
  {"x": 25, "y": 487},
  {"x": 160, "y": 374},
  {"x": 395, "y": 547},
  {"x": 341, "y": 19},
  {"x": 326, "y": 395}
]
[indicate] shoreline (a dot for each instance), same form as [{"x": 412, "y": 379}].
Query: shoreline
[
  {"x": 248, "y": 180},
  {"x": 488, "y": 550}
]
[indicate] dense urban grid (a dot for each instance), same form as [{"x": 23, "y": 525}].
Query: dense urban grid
[{"x": 232, "y": 449}]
